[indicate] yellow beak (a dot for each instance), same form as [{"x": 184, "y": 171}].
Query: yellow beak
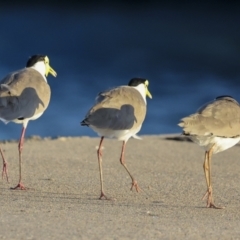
[
  {"x": 50, "y": 70},
  {"x": 148, "y": 93}
]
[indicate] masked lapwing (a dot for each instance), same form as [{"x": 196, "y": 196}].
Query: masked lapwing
[
  {"x": 24, "y": 96},
  {"x": 119, "y": 113},
  {"x": 216, "y": 127}
]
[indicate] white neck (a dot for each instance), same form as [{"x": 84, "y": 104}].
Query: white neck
[
  {"x": 41, "y": 68},
  {"x": 142, "y": 89}
]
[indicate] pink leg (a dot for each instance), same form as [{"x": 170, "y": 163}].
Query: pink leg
[
  {"x": 99, "y": 154},
  {"x": 4, "y": 170},
  {"x": 122, "y": 161},
  {"x": 207, "y": 171},
  {"x": 20, "y": 185}
]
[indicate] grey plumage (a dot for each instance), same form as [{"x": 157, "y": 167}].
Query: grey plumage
[
  {"x": 119, "y": 113},
  {"x": 220, "y": 117},
  {"x": 216, "y": 127},
  {"x": 121, "y": 108},
  {"x": 23, "y": 94}
]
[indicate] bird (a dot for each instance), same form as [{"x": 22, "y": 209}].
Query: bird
[
  {"x": 119, "y": 113},
  {"x": 24, "y": 96},
  {"x": 216, "y": 127}
]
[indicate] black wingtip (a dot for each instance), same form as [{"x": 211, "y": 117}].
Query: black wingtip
[{"x": 83, "y": 123}]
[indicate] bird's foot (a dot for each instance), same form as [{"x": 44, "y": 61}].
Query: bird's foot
[
  {"x": 4, "y": 171},
  {"x": 20, "y": 186},
  {"x": 210, "y": 203},
  {"x": 104, "y": 197},
  {"x": 135, "y": 184}
]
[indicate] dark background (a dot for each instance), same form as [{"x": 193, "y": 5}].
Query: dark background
[{"x": 188, "y": 50}]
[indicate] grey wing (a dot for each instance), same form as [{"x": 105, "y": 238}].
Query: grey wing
[
  {"x": 220, "y": 117},
  {"x": 112, "y": 118},
  {"x": 17, "y": 100},
  {"x": 112, "y": 111},
  {"x": 12, "y": 77}
]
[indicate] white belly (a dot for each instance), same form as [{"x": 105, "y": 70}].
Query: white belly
[
  {"x": 220, "y": 143},
  {"x": 31, "y": 118},
  {"x": 24, "y": 121},
  {"x": 121, "y": 135}
]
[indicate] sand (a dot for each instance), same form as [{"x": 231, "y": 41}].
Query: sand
[{"x": 63, "y": 180}]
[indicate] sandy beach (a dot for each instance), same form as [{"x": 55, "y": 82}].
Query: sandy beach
[{"x": 63, "y": 180}]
